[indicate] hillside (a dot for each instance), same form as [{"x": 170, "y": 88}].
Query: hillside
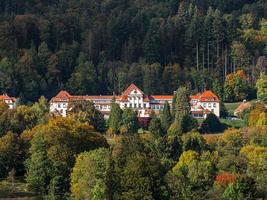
[{"x": 100, "y": 47}]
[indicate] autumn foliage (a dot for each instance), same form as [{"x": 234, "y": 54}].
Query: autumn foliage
[{"x": 225, "y": 178}]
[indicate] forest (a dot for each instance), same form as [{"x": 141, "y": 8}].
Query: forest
[{"x": 102, "y": 46}]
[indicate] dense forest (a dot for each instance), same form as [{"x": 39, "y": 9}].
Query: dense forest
[{"x": 99, "y": 47}]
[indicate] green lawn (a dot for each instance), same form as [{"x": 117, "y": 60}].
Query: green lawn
[
  {"x": 238, "y": 123},
  {"x": 17, "y": 190}
]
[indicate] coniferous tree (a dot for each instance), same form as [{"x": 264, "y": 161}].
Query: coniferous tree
[
  {"x": 166, "y": 118},
  {"x": 115, "y": 118},
  {"x": 182, "y": 110},
  {"x": 129, "y": 120},
  {"x": 38, "y": 166}
]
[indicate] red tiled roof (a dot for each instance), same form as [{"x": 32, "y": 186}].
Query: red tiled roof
[
  {"x": 208, "y": 96},
  {"x": 6, "y": 97},
  {"x": 62, "y": 96},
  {"x": 205, "y": 96},
  {"x": 196, "y": 96},
  {"x": 132, "y": 87},
  {"x": 162, "y": 97}
]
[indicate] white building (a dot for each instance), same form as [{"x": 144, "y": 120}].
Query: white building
[
  {"x": 10, "y": 101},
  {"x": 204, "y": 103},
  {"x": 134, "y": 98}
]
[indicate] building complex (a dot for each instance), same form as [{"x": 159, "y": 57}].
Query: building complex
[{"x": 133, "y": 97}]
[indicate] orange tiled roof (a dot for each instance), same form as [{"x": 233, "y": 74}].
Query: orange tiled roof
[
  {"x": 205, "y": 96},
  {"x": 162, "y": 97},
  {"x": 125, "y": 94},
  {"x": 6, "y": 97}
]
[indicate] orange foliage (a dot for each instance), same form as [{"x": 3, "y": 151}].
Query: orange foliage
[{"x": 225, "y": 178}]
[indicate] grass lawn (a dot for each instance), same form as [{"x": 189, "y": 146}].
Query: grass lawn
[
  {"x": 18, "y": 190},
  {"x": 238, "y": 123}
]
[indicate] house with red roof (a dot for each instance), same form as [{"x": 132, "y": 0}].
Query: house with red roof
[
  {"x": 133, "y": 97},
  {"x": 204, "y": 103},
  {"x": 10, "y": 101}
]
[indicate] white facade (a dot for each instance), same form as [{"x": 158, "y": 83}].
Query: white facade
[{"x": 134, "y": 98}]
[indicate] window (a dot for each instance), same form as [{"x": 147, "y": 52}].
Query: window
[
  {"x": 125, "y": 105},
  {"x": 209, "y": 105},
  {"x": 144, "y": 105},
  {"x": 214, "y": 105},
  {"x": 59, "y": 105},
  {"x": 139, "y": 105},
  {"x": 130, "y": 98},
  {"x": 64, "y": 105},
  {"x": 204, "y": 105},
  {"x": 135, "y": 105},
  {"x": 130, "y": 105}
]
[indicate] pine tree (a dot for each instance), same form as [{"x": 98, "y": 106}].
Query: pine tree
[
  {"x": 155, "y": 127},
  {"x": 182, "y": 111},
  {"x": 115, "y": 118},
  {"x": 38, "y": 166},
  {"x": 166, "y": 118},
  {"x": 129, "y": 120}
]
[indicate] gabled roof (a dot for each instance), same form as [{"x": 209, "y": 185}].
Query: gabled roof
[
  {"x": 62, "y": 96},
  {"x": 132, "y": 87},
  {"x": 5, "y": 97},
  {"x": 207, "y": 95}
]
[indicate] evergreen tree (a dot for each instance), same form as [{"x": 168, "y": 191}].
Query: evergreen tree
[
  {"x": 211, "y": 124},
  {"x": 182, "y": 109},
  {"x": 166, "y": 118},
  {"x": 129, "y": 120},
  {"x": 115, "y": 118},
  {"x": 38, "y": 166},
  {"x": 155, "y": 127}
]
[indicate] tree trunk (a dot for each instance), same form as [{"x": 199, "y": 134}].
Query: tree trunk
[
  {"x": 197, "y": 54},
  {"x": 225, "y": 62},
  {"x": 208, "y": 57}
]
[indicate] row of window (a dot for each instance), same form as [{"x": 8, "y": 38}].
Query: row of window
[
  {"x": 157, "y": 107},
  {"x": 134, "y": 98},
  {"x": 62, "y": 105},
  {"x": 205, "y": 105}
]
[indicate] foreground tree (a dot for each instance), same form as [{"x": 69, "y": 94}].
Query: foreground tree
[
  {"x": 181, "y": 111},
  {"x": 85, "y": 111},
  {"x": 130, "y": 121},
  {"x": 90, "y": 175},
  {"x": 115, "y": 118},
  {"x": 166, "y": 118},
  {"x": 61, "y": 139},
  {"x": 211, "y": 124}
]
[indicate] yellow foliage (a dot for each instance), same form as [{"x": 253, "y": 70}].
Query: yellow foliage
[
  {"x": 185, "y": 159},
  {"x": 232, "y": 134},
  {"x": 255, "y": 154}
]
